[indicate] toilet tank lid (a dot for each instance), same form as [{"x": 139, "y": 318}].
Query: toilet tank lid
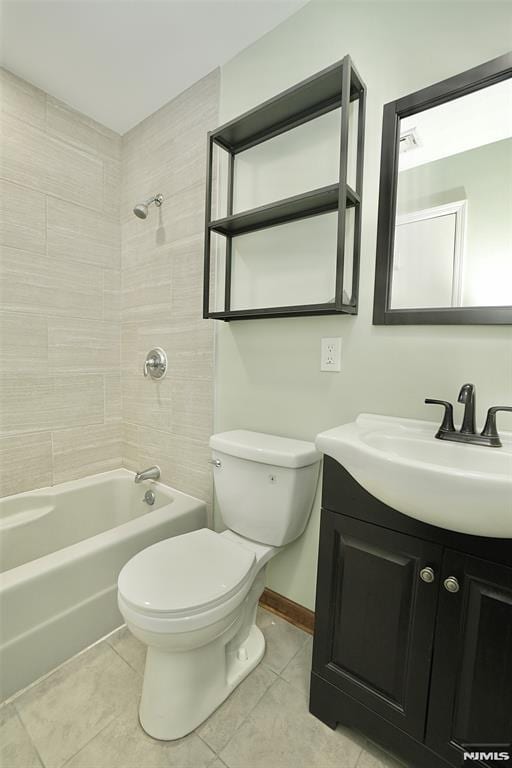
[{"x": 266, "y": 449}]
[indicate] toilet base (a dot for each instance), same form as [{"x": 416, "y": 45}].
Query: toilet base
[{"x": 181, "y": 690}]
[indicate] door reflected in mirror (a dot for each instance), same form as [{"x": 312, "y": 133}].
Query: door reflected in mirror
[{"x": 453, "y": 220}]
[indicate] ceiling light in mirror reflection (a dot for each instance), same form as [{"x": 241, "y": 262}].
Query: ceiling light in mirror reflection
[{"x": 480, "y": 118}]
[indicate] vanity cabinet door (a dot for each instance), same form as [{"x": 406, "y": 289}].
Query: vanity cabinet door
[
  {"x": 375, "y": 618},
  {"x": 471, "y": 693}
]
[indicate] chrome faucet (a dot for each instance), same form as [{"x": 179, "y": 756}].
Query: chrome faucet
[
  {"x": 152, "y": 473},
  {"x": 467, "y": 433}
]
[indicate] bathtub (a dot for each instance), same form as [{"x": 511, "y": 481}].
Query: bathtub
[{"x": 61, "y": 550}]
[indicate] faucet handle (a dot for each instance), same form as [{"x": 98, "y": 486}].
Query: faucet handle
[
  {"x": 490, "y": 430},
  {"x": 447, "y": 424},
  {"x": 155, "y": 364}
]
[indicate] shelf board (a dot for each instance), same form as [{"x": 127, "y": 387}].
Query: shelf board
[
  {"x": 310, "y": 98},
  {"x": 301, "y": 206},
  {"x": 292, "y": 311}
]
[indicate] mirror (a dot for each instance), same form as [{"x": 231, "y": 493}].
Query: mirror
[{"x": 444, "y": 246}]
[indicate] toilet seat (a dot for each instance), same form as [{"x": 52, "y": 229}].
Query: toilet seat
[{"x": 185, "y": 582}]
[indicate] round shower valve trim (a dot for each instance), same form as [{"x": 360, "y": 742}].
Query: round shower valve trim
[{"x": 155, "y": 364}]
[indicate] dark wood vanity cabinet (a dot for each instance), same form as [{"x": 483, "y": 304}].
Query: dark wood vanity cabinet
[
  {"x": 424, "y": 671},
  {"x": 471, "y": 690}
]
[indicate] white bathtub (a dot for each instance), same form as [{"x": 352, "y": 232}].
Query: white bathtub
[{"x": 61, "y": 550}]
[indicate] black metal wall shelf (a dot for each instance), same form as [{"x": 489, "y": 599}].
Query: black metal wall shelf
[
  {"x": 334, "y": 87},
  {"x": 309, "y": 99},
  {"x": 329, "y": 308},
  {"x": 311, "y": 203}
]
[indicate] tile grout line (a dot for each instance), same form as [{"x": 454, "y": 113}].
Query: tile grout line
[
  {"x": 123, "y": 658},
  {"x": 29, "y": 737},
  {"x": 71, "y": 757},
  {"x": 244, "y": 719},
  {"x": 248, "y": 714},
  {"x": 280, "y": 674}
]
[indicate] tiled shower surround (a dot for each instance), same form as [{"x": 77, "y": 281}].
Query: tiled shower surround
[
  {"x": 86, "y": 289},
  {"x": 168, "y": 422}
]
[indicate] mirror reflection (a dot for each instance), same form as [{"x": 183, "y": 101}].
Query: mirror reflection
[{"x": 453, "y": 227}]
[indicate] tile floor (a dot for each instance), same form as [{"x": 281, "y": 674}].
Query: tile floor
[{"x": 84, "y": 715}]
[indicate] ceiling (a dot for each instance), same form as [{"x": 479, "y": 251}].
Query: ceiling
[
  {"x": 118, "y": 61},
  {"x": 473, "y": 120}
]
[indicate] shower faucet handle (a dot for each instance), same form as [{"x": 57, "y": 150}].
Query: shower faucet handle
[{"x": 155, "y": 364}]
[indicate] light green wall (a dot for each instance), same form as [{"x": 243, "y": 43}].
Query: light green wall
[{"x": 267, "y": 371}]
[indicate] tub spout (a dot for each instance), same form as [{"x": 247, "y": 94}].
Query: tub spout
[{"x": 152, "y": 473}]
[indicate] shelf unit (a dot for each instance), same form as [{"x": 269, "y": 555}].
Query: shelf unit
[{"x": 332, "y": 88}]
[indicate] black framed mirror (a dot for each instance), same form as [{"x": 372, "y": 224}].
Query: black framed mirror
[{"x": 444, "y": 238}]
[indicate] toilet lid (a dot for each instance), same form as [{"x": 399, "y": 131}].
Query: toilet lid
[{"x": 185, "y": 574}]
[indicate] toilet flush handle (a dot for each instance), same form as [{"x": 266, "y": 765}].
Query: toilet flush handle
[{"x": 215, "y": 462}]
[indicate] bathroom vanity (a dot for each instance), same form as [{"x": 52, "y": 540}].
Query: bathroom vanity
[{"x": 413, "y": 637}]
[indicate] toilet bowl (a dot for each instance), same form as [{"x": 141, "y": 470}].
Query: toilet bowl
[{"x": 192, "y": 599}]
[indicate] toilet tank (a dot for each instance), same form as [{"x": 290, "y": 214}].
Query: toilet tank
[{"x": 265, "y": 485}]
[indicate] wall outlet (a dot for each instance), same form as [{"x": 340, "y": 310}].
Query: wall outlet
[{"x": 330, "y": 357}]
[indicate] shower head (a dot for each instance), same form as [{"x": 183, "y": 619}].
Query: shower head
[{"x": 141, "y": 209}]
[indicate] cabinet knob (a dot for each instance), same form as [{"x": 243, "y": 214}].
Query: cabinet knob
[
  {"x": 451, "y": 584},
  {"x": 427, "y": 574}
]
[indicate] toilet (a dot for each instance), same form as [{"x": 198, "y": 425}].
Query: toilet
[{"x": 192, "y": 599}]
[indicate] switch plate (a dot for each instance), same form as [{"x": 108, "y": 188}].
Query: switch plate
[{"x": 330, "y": 358}]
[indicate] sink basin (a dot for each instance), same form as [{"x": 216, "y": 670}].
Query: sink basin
[{"x": 465, "y": 488}]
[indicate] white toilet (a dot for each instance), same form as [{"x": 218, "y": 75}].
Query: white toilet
[{"x": 192, "y": 599}]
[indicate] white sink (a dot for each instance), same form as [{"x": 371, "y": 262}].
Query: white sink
[{"x": 465, "y": 488}]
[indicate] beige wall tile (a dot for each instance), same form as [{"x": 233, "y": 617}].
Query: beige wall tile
[
  {"x": 112, "y": 186},
  {"x": 112, "y": 295},
  {"x": 131, "y": 360},
  {"x": 147, "y": 402},
  {"x": 82, "y": 346},
  {"x": 190, "y": 349},
  {"x": 146, "y": 289},
  {"x": 189, "y": 345},
  {"x": 169, "y": 170},
  {"x": 192, "y": 407},
  {"x": 187, "y": 280},
  {"x": 66, "y": 123},
  {"x": 25, "y": 462},
  {"x": 166, "y": 153},
  {"x": 86, "y": 451},
  {"x": 38, "y": 403},
  {"x": 32, "y": 158},
  {"x": 139, "y": 239},
  {"x": 186, "y": 212},
  {"x": 86, "y": 272},
  {"x": 36, "y": 284},
  {"x": 69, "y": 281},
  {"x": 22, "y": 100},
  {"x": 113, "y": 401},
  {"x": 183, "y": 461},
  {"x": 22, "y": 218},
  {"x": 181, "y": 216},
  {"x": 23, "y": 343},
  {"x": 130, "y": 446},
  {"x": 81, "y": 234}
]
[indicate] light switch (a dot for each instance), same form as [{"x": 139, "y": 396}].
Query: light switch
[{"x": 330, "y": 358}]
